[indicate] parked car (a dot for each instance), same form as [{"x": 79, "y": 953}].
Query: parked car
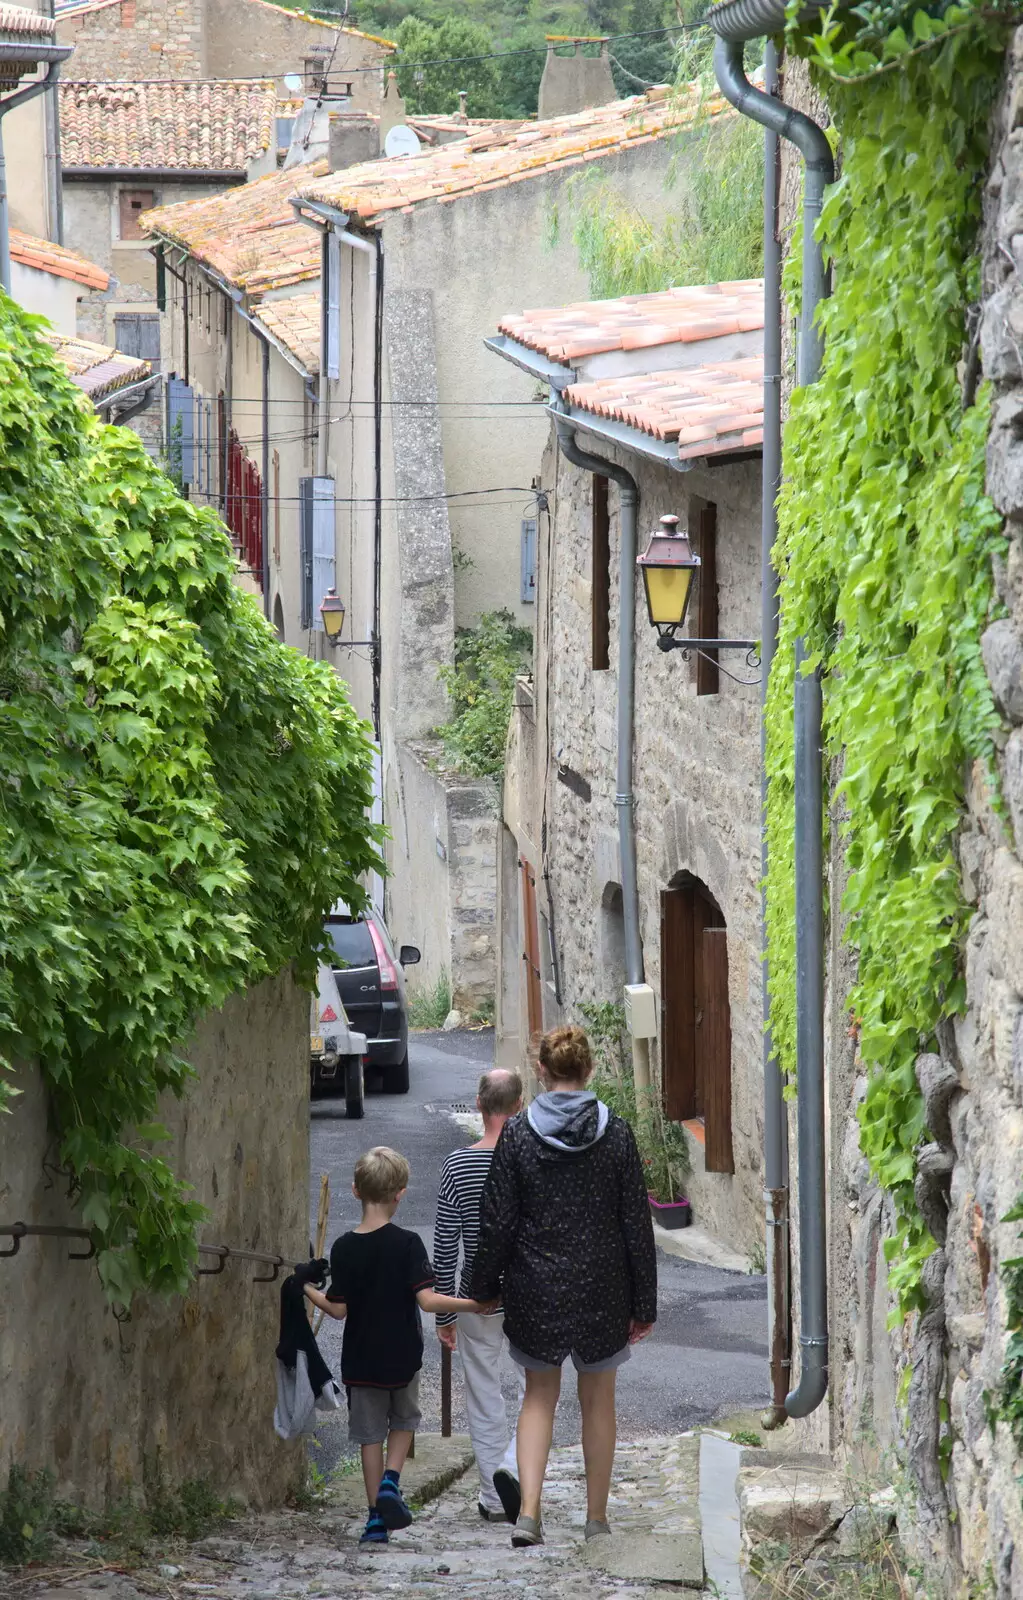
[
  {"x": 371, "y": 982},
  {"x": 336, "y": 1052}
]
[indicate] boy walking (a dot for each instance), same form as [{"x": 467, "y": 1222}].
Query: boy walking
[
  {"x": 381, "y": 1278},
  {"x": 479, "y": 1338}
]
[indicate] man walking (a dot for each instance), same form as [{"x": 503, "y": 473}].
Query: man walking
[{"x": 479, "y": 1339}]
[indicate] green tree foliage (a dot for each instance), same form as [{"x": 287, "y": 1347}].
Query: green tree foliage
[
  {"x": 488, "y": 659},
  {"x": 435, "y": 89},
  {"x": 181, "y": 799},
  {"x": 648, "y": 57},
  {"x": 884, "y": 554}
]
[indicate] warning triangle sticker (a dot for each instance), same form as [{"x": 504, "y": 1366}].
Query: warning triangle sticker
[{"x": 330, "y": 1015}]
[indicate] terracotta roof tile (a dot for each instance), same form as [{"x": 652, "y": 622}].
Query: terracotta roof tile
[
  {"x": 295, "y": 323},
  {"x": 187, "y": 125},
  {"x": 249, "y": 236},
  {"x": 98, "y": 369},
  {"x": 499, "y": 153},
  {"x": 636, "y": 322},
  {"x": 53, "y": 258},
  {"x": 18, "y": 22},
  {"x": 708, "y": 410}
]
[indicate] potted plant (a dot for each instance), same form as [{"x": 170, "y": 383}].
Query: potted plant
[
  {"x": 665, "y": 1165},
  {"x": 670, "y": 1213}
]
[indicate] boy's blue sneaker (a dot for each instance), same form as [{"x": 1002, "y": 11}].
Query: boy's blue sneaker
[
  {"x": 374, "y": 1532},
  {"x": 390, "y": 1506}
]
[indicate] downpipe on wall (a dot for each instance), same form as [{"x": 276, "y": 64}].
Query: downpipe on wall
[
  {"x": 625, "y": 798},
  {"x": 736, "y": 22}
]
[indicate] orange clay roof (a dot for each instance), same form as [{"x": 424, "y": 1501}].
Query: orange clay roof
[
  {"x": 708, "y": 410},
  {"x": 98, "y": 369},
  {"x": 499, "y": 154},
  {"x": 18, "y": 22},
  {"x": 187, "y": 125},
  {"x": 68, "y": 13},
  {"x": 53, "y": 258},
  {"x": 249, "y": 236},
  {"x": 295, "y": 323},
  {"x": 635, "y": 322}
]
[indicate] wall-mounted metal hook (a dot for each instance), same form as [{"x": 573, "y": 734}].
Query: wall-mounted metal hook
[
  {"x": 83, "y": 1255},
  {"x": 17, "y": 1232},
  {"x": 270, "y": 1277},
  {"x": 221, "y": 1250}
]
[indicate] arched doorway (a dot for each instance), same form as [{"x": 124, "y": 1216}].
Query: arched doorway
[
  {"x": 279, "y": 619},
  {"x": 696, "y": 1029}
]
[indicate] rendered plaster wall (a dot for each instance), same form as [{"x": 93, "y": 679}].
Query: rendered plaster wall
[
  {"x": 250, "y": 39},
  {"x": 696, "y": 785},
  {"x": 476, "y": 260},
  {"x": 46, "y": 295},
  {"x": 191, "y": 1377}
]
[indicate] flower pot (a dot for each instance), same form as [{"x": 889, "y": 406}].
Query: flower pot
[{"x": 671, "y": 1213}]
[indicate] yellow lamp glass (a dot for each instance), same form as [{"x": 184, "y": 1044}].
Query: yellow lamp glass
[
  {"x": 332, "y": 611},
  {"x": 667, "y": 594}
]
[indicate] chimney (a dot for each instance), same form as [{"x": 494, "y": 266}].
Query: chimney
[
  {"x": 354, "y": 137},
  {"x": 575, "y": 82},
  {"x": 310, "y": 135},
  {"x": 392, "y": 109}
]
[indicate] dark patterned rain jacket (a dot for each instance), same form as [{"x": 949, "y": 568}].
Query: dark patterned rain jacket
[{"x": 566, "y": 1238}]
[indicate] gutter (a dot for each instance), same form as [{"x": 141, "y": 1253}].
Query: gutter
[
  {"x": 161, "y": 174},
  {"x": 735, "y": 22},
  {"x": 142, "y": 393},
  {"x": 32, "y": 55},
  {"x": 625, "y": 798}
]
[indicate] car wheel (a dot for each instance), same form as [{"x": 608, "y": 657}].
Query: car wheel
[
  {"x": 355, "y": 1105},
  {"x": 396, "y": 1078}
]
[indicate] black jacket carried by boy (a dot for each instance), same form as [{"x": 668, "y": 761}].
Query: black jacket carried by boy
[{"x": 565, "y": 1232}]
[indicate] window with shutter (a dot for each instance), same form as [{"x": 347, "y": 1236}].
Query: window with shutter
[
  {"x": 181, "y": 431},
  {"x": 131, "y": 204},
  {"x": 600, "y": 576},
  {"x": 316, "y": 546},
  {"x": 333, "y": 306},
  {"x": 696, "y": 1032},
  {"x": 528, "y": 591},
  {"x": 137, "y": 333}
]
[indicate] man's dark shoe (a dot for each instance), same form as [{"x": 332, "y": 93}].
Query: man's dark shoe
[
  {"x": 509, "y": 1493},
  {"x": 488, "y": 1515},
  {"x": 391, "y": 1507}
]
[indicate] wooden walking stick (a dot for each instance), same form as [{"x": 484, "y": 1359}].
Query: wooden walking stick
[{"x": 322, "y": 1216}]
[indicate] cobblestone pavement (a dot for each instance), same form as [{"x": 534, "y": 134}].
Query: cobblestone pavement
[{"x": 449, "y": 1552}]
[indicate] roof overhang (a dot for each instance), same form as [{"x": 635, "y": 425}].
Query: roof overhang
[
  {"x": 25, "y": 54},
  {"x": 663, "y": 451},
  {"x": 120, "y": 397},
  {"x": 531, "y": 361},
  {"x": 160, "y": 174}
]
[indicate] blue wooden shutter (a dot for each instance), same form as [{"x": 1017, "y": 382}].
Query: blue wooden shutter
[
  {"x": 181, "y": 423},
  {"x": 333, "y": 306},
  {"x": 528, "y": 560},
  {"x": 316, "y": 546}
]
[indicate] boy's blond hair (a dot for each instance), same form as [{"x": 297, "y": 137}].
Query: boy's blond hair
[{"x": 380, "y": 1175}]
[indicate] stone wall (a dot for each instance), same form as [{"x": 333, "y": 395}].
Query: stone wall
[
  {"x": 696, "y": 783},
  {"x": 92, "y": 1397},
  {"x": 214, "y": 39}
]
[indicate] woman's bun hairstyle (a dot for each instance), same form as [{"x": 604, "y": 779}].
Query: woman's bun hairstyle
[{"x": 565, "y": 1055}]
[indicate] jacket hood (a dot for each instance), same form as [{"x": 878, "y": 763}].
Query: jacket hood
[{"x": 569, "y": 1120}]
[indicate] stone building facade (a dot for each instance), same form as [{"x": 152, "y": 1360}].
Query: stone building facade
[{"x": 146, "y": 39}]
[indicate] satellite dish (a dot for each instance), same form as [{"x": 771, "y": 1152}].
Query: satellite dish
[
  {"x": 401, "y": 141},
  {"x": 293, "y": 83}
]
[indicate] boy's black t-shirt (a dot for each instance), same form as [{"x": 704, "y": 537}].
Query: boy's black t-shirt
[{"x": 377, "y": 1276}]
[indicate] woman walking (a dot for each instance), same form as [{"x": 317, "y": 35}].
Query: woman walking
[{"x": 565, "y": 1228}]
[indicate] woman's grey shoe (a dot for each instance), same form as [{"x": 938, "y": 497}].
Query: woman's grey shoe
[
  {"x": 596, "y": 1530},
  {"x": 528, "y": 1530},
  {"x": 508, "y": 1492}
]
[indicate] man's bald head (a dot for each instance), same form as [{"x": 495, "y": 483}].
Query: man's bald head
[{"x": 500, "y": 1093}]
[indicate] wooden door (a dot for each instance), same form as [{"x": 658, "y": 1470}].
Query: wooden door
[
  {"x": 714, "y": 1051},
  {"x": 531, "y": 949},
  {"x": 678, "y": 1010}
]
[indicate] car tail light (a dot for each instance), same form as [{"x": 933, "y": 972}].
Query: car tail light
[{"x": 388, "y": 970}]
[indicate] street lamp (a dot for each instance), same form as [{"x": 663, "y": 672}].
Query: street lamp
[
  {"x": 332, "y": 610},
  {"x": 669, "y": 565}
]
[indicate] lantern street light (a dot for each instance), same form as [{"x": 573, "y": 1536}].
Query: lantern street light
[
  {"x": 669, "y": 565},
  {"x": 332, "y": 610}
]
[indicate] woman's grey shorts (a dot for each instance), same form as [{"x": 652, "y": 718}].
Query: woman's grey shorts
[
  {"x": 373, "y": 1413},
  {"x": 531, "y": 1364}
]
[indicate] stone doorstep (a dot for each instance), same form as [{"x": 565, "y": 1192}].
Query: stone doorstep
[
  {"x": 790, "y": 1504},
  {"x": 437, "y": 1464}
]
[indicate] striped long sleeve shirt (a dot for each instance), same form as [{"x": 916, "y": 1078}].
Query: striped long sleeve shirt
[{"x": 457, "y": 1228}]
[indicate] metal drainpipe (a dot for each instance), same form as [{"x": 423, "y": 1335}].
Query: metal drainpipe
[
  {"x": 53, "y": 55},
  {"x": 736, "y": 22},
  {"x": 625, "y": 799}
]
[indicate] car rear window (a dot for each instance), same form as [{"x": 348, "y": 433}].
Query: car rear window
[{"x": 352, "y": 943}]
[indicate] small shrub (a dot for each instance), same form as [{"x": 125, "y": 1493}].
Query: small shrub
[
  {"x": 427, "y": 1008},
  {"x": 26, "y": 1517},
  {"x": 488, "y": 658},
  {"x": 662, "y": 1144},
  {"x": 748, "y": 1437}
]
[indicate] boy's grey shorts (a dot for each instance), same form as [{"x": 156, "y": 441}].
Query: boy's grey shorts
[{"x": 372, "y": 1413}]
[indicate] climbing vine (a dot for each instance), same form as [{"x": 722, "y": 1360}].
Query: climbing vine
[
  {"x": 885, "y": 552},
  {"x": 181, "y": 798}
]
